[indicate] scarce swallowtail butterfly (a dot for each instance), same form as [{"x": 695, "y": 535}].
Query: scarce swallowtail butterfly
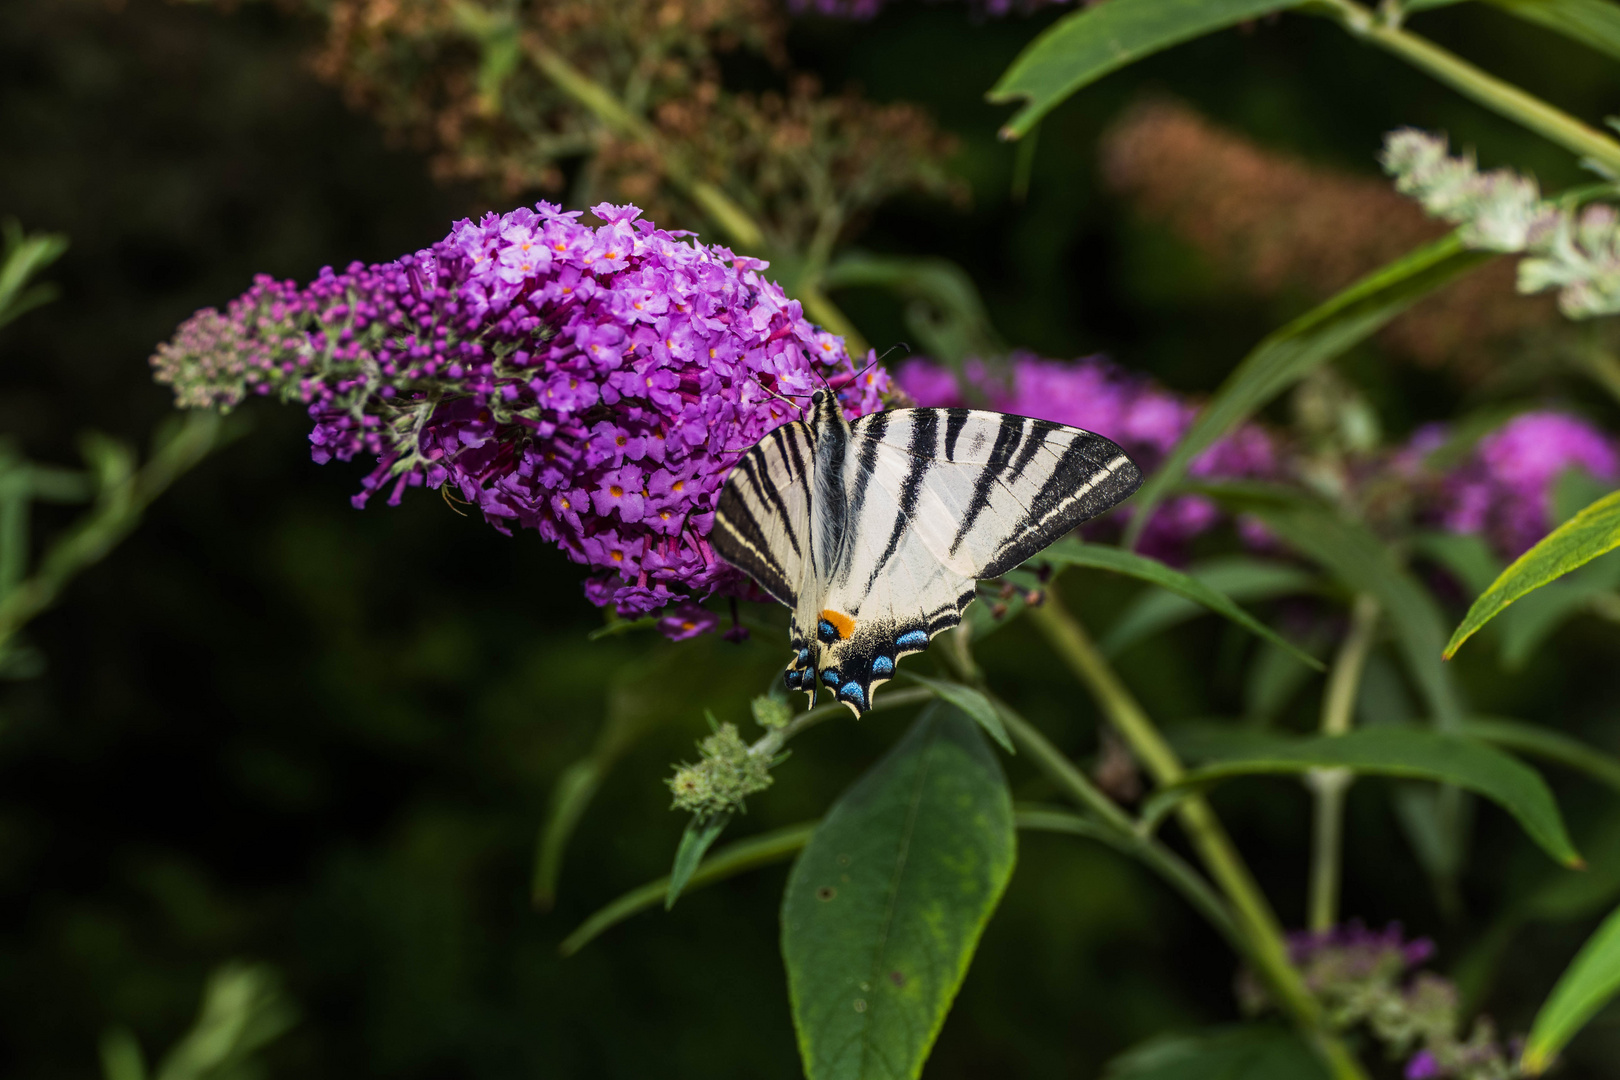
[{"x": 873, "y": 533}]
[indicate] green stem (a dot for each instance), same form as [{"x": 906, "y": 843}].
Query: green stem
[
  {"x": 1330, "y": 786},
  {"x": 1256, "y": 921},
  {"x": 114, "y": 517},
  {"x": 1485, "y": 88}
]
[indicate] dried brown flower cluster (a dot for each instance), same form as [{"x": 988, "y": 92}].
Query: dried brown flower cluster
[
  {"x": 1276, "y": 224},
  {"x": 643, "y": 102}
]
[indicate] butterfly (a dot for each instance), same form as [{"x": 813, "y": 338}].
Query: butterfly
[{"x": 873, "y": 533}]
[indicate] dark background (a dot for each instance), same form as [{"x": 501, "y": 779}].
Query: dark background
[{"x": 276, "y": 728}]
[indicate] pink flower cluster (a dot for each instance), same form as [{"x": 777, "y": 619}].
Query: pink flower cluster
[{"x": 593, "y": 384}]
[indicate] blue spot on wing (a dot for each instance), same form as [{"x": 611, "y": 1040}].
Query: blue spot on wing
[
  {"x": 804, "y": 656},
  {"x": 882, "y": 667},
  {"x": 830, "y": 677},
  {"x": 912, "y": 639},
  {"x": 851, "y": 691},
  {"x": 794, "y": 678},
  {"x": 826, "y": 631}
]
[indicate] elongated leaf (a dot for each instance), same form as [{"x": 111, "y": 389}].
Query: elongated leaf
[
  {"x": 1251, "y": 1052},
  {"x": 733, "y": 859},
  {"x": 1102, "y": 557},
  {"x": 1577, "y": 541},
  {"x": 700, "y": 835},
  {"x": 1414, "y": 753},
  {"x": 1237, "y": 577},
  {"x": 1363, "y": 563},
  {"x": 1594, "y": 23},
  {"x": 1549, "y": 745},
  {"x": 1083, "y": 47},
  {"x": 886, "y": 904},
  {"x": 1290, "y": 354},
  {"x": 1590, "y": 982},
  {"x": 974, "y": 704}
]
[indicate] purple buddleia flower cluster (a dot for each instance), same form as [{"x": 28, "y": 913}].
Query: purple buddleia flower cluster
[
  {"x": 1146, "y": 420},
  {"x": 1504, "y": 489},
  {"x": 1365, "y": 977},
  {"x": 595, "y": 384}
]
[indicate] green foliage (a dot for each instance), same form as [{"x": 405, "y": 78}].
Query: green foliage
[
  {"x": 1285, "y": 357},
  {"x": 1390, "y": 751},
  {"x": 1099, "y": 557},
  {"x": 886, "y": 904},
  {"x": 699, "y": 835},
  {"x": 243, "y": 1010},
  {"x": 1255, "y": 1052},
  {"x": 1593, "y": 23},
  {"x": 1590, "y": 533},
  {"x": 1083, "y": 47},
  {"x": 1591, "y": 982},
  {"x": 973, "y": 704}
]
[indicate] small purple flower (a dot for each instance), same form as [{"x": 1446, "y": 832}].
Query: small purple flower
[
  {"x": 688, "y": 620},
  {"x": 593, "y": 384}
]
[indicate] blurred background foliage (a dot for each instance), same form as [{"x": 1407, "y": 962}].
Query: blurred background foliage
[{"x": 270, "y": 727}]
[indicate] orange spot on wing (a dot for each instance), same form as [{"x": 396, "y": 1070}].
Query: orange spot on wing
[{"x": 840, "y": 622}]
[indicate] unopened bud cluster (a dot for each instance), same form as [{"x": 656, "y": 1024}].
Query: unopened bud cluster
[{"x": 724, "y": 775}]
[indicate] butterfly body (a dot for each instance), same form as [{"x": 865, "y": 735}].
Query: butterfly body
[{"x": 874, "y": 533}]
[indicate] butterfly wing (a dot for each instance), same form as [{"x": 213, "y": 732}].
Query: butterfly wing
[
  {"x": 937, "y": 499},
  {"x": 762, "y": 520}
]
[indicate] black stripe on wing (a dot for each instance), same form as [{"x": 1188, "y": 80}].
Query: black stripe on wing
[
  {"x": 761, "y": 521},
  {"x": 1091, "y": 476}
]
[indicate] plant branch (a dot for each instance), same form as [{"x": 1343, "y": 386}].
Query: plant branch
[
  {"x": 1330, "y": 786},
  {"x": 1494, "y": 93},
  {"x": 1256, "y": 921},
  {"x": 125, "y": 495}
]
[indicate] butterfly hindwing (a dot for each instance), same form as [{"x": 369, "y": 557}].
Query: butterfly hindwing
[{"x": 762, "y": 521}]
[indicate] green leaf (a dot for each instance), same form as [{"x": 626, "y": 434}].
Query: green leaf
[
  {"x": 887, "y": 902},
  {"x": 733, "y": 859},
  {"x": 1594, "y": 23},
  {"x": 1291, "y": 353},
  {"x": 1537, "y": 741},
  {"x": 1238, "y": 577},
  {"x": 1589, "y": 983},
  {"x": 21, "y": 257},
  {"x": 975, "y": 704},
  {"x": 1590, "y": 533},
  {"x": 1412, "y": 753},
  {"x": 243, "y": 1010},
  {"x": 1251, "y": 1052},
  {"x": 700, "y": 835},
  {"x": 1364, "y": 564},
  {"x": 1072, "y": 552},
  {"x": 1081, "y": 48}
]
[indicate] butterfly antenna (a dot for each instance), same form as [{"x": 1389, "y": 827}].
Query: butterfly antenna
[{"x": 451, "y": 500}]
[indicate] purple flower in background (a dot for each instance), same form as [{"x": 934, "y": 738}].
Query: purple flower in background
[
  {"x": 593, "y": 384},
  {"x": 1504, "y": 490},
  {"x": 1092, "y": 393},
  {"x": 1423, "y": 1066}
]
